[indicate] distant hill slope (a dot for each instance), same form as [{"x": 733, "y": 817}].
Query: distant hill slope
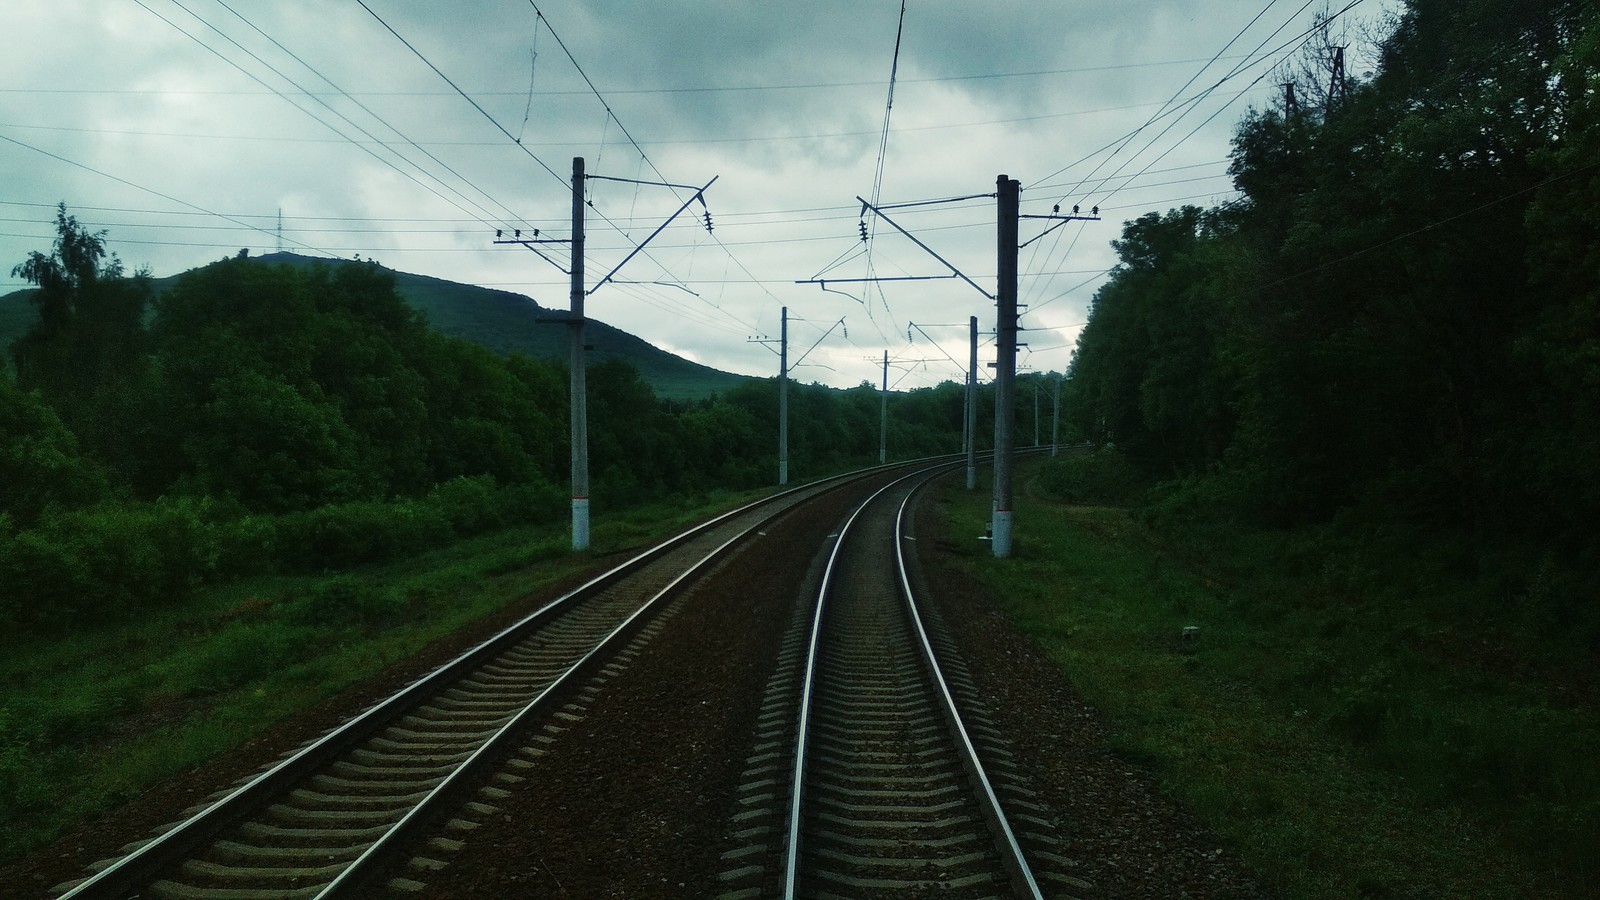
[{"x": 499, "y": 320}]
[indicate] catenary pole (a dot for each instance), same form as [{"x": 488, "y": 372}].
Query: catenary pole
[
  {"x": 883, "y": 414},
  {"x": 1007, "y": 203},
  {"x": 783, "y": 399},
  {"x": 580, "y": 411},
  {"x": 972, "y": 403},
  {"x": 1036, "y": 412},
  {"x": 1055, "y": 421}
]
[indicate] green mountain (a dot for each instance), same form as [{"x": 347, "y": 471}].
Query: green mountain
[{"x": 499, "y": 320}]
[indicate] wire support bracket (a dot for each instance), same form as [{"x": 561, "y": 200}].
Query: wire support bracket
[
  {"x": 665, "y": 184},
  {"x": 532, "y": 244},
  {"x": 957, "y": 273},
  {"x": 699, "y": 194},
  {"x": 915, "y": 203},
  {"x": 1060, "y": 220},
  {"x": 824, "y": 281}
]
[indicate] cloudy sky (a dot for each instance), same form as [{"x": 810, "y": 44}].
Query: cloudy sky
[{"x": 409, "y": 131}]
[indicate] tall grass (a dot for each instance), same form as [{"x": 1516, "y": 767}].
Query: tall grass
[
  {"x": 93, "y": 716},
  {"x": 1324, "y": 717}
]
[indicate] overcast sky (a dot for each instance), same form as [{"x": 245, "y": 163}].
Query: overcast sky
[{"x": 183, "y": 127}]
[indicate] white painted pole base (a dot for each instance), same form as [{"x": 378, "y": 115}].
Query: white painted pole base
[
  {"x": 1001, "y": 538},
  {"x": 580, "y": 523},
  {"x": 972, "y": 477}
]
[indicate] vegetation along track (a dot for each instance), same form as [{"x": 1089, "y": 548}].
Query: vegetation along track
[
  {"x": 896, "y": 783},
  {"x": 325, "y": 818}
]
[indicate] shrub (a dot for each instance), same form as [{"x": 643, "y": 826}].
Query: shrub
[
  {"x": 354, "y": 534},
  {"x": 1103, "y": 478},
  {"x": 237, "y": 656},
  {"x": 47, "y": 585},
  {"x": 468, "y": 504},
  {"x": 345, "y": 600},
  {"x": 103, "y": 563}
]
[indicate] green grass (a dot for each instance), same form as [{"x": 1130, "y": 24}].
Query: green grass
[
  {"x": 1313, "y": 727},
  {"x": 93, "y": 718}
]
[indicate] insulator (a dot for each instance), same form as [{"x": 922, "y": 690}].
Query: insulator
[
  {"x": 1095, "y": 211},
  {"x": 536, "y": 232},
  {"x": 517, "y": 234},
  {"x": 1055, "y": 210},
  {"x": 498, "y": 232},
  {"x": 1074, "y": 209}
]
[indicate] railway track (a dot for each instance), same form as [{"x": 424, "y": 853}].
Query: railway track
[
  {"x": 329, "y": 818},
  {"x": 877, "y": 773}
]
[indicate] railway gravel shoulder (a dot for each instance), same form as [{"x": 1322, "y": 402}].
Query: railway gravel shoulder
[
  {"x": 632, "y": 801},
  {"x": 1116, "y": 829}
]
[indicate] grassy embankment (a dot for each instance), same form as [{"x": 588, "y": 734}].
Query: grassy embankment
[
  {"x": 1357, "y": 718},
  {"x": 92, "y": 719}
]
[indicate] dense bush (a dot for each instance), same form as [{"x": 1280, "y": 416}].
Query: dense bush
[
  {"x": 1104, "y": 477},
  {"x": 102, "y": 563},
  {"x": 40, "y": 461},
  {"x": 345, "y": 600}
]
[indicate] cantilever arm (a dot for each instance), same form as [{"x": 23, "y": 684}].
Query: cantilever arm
[
  {"x": 698, "y": 195},
  {"x": 958, "y": 272}
]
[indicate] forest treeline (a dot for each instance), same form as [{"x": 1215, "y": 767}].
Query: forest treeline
[
  {"x": 1399, "y": 320},
  {"x": 254, "y": 418}
]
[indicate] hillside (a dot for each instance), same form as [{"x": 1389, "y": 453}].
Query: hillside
[{"x": 499, "y": 320}]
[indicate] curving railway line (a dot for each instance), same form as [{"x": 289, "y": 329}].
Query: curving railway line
[
  {"x": 894, "y": 783},
  {"x": 874, "y": 771},
  {"x": 330, "y": 818}
]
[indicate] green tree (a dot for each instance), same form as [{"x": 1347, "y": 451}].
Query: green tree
[
  {"x": 85, "y": 354},
  {"x": 40, "y": 461},
  {"x": 1148, "y": 376}
]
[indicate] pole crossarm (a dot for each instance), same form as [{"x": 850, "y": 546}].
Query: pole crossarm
[
  {"x": 1059, "y": 220},
  {"x": 930, "y": 251},
  {"x": 766, "y": 342},
  {"x": 530, "y": 244},
  {"x": 699, "y": 194}
]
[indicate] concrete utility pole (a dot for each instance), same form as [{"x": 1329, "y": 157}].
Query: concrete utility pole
[
  {"x": 1008, "y": 197},
  {"x": 1036, "y": 412},
  {"x": 883, "y": 414},
  {"x": 1055, "y": 421},
  {"x": 580, "y": 393},
  {"x": 783, "y": 399},
  {"x": 574, "y": 321},
  {"x": 971, "y": 411}
]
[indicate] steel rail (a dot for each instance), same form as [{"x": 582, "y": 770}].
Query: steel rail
[
  {"x": 364, "y": 865},
  {"x": 1012, "y": 857},
  {"x": 791, "y": 870},
  {"x": 1004, "y": 839},
  {"x": 133, "y": 870}
]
